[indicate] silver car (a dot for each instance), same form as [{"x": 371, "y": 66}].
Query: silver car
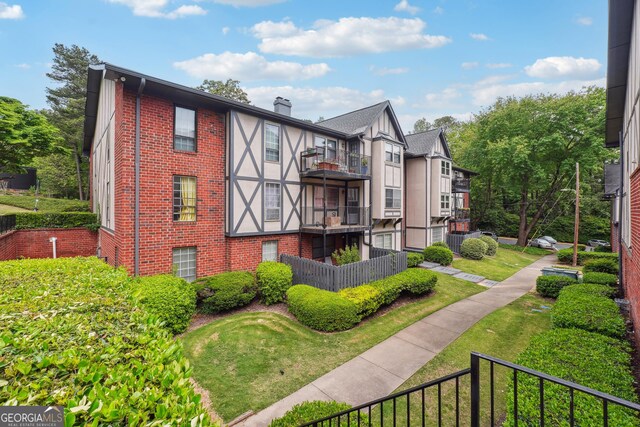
[
  {"x": 550, "y": 239},
  {"x": 539, "y": 242}
]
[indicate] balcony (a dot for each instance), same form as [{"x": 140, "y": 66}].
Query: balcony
[
  {"x": 320, "y": 162},
  {"x": 338, "y": 219},
  {"x": 461, "y": 214},
  {"x": 460, "y": 185}
]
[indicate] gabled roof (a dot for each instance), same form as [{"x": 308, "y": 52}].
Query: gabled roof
[
  {"x": 359, "y": 121},
  {"x": 422, "y": 143},
  {"x": 467, "y": 171}
]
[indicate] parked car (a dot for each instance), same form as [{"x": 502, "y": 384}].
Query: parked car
[
  {"x": 594, "y": 243},
  {"x": 491, "y": 234},
  {"x": 539, "y": 242},
  {"x": 550, "y": 239}
]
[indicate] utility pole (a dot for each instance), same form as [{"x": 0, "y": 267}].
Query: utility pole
[{"x": 576, "y": 226}]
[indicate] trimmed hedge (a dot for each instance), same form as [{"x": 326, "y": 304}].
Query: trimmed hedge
[
  {"x": 566, "y": 256},
  {"x": 550, "y": 286},
  {"x": 170, "y": 298},
  {"x": 274, "y": 278},
  {"x": 492, "y": 245},
  {"x": 608, "y": 249},
  {"x": 586, "y": 358},
  {"x": 306, "y": 412},
  {"x": 438, "y": 254},
  {"x": 441, "y": 244},
  {"x": 473, "y": 249},
  {"x": 45, "y": 204},
  {"x": 588, "y": 312},
  {"x": 414, "y": 259},
  {"x": 602, "y": 266},
  {"x": 225, "y": 291},
  {"x": 588, "y": 289},
  {"x": 73, "y": 335},
  {"x": 600, "y": 278},
  {"x": 321, "y": 310},
  {"x": 416, "y": 281},
  {"x": 367, "y": 298},
  {"x": 27, "y": 220}
]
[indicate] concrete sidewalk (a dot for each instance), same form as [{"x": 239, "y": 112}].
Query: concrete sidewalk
[{"x": 383, "y": 368}]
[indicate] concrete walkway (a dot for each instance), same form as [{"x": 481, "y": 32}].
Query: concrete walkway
[{"x": 383, "y": 368}]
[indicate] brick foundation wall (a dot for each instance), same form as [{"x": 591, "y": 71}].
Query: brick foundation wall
[
  {"x": 245, "y": 253},
  {"x": 35, "y": 243},
  {"x": 108, "y": 247},
  {"x": 631, "y": 258}
]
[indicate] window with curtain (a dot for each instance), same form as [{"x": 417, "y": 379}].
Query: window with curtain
[
  {"x": 272, "y": 142},
  {"x": 270, "y": 250},
  {"x": 184, "y": 263},
  {"x": 392, "y": 198},
  {"x": 384, "y": 241},
  {"x": 184, "y": 198},
  {"x": 272, "y": 201},
  {"x": 184, "y": 132}
]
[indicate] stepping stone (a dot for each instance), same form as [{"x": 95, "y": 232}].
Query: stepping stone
[
  {"x": 429, "y": 265},
  {"x": 488, "y": 283},
  {"x": 446, "y": 270},
  {"x": 469, "y": 277}
]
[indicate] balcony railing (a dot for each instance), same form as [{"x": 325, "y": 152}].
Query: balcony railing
[
  {"x": 334, "y": 162},
  {"x": 461, "y": 185},
  {"x": 336, "y": 217},
  {"x": 461, "y": 215}
]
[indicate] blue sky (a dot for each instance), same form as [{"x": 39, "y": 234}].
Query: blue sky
[{"x": 429, "y": 57}]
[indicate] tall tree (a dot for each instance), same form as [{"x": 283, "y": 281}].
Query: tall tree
[
  {"x": 422, "y": 125},
  {"x": 24, "y": 134},
  {"x": 230, "y": 89},
  {"x": 67, "y": 100},
  {"x": 445, "y": 122}
]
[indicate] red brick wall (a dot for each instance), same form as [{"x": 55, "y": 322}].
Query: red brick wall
[
  {"x": 245, "y": 253},
  {"x": 35, "y": 243},
  {"x": 631, "y": 259},
  {"x": 108, "y": 247}
]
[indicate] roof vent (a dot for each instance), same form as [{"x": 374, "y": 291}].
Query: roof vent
[{"x": 282, "y": 106}]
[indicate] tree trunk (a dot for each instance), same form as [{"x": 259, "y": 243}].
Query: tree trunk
[
  {"x": 523, "y": 230},
  {"x": 78, "y": 160}
]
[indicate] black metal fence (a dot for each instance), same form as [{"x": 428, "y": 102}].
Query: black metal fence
[
  {"x": 7, "y": 223},
  {"x": 461, "y": 185},
  {"x": 334, "y": 278},
  {"x": 468, "y": 397},
  {"x": 335, "y": 216},
  {"x": 328, "y": 159},
  {"x": 455, "y": 240}
]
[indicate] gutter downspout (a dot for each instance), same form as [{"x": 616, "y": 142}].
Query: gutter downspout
[
  {"x": 136, "y": 214},
  {"x": 620, "y": 207},
  {"x": 364, "y": 243}
]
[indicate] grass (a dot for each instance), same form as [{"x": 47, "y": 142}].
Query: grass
[
  {"x": 504, "y": 334},
  {"x": 527, "y": 250},
  {"x": 251, "y": 360},
  {"x": 504, "y": 264},
  {"x": 7, "y": 209},
  {"x": 45, "y": 204}
]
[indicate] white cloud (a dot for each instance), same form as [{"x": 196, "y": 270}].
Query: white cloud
[
  {"x": 446, "y": 96},
  {"x": 248, "y": 66},
  {"x": 438, "y": 10},
  {"x": 386, "y": 71},
  {"x": 497, "y": 65},
  {"x": 225, "y": 30},
  {"x": 23, "y": 66},
  {"x": 469, "y": 65},
  {"x": 11, "y": 11},
  {"x": 479, "y": 36},
  {"x": 584, "y": 20},
  {"x": 347, "y": 36},
  {"x": 404, "y": 6},
  {"x": 156, "y": 9},
  {"x": 554, "y": 67},
  {"x": 248, "y": 3}
]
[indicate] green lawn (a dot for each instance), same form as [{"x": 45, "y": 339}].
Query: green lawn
[
  {"x": 504, "y": 334},
  {"x": 504, "y": 264},
  {"x": 527, "y": 250},
  {"x": 7, "y": 209},
  {"x": 45, "y": 204},
  {"x": 251, "y": 360}
]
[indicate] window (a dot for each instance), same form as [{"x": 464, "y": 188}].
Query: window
[
  {"x": 270, "y": 250},
  {"x": 272, "y": 142},
  {"x": 272, "y": 202},
  {"x": 329, "y": 146},
  {"x": 184, "y": 263},
  {"x": 437, "y": 234},
  {"x": 444, "y": 201},
  {"x": 445, "y": 168},
  {"x": 384, "y": 241},
  {"x": 184, "y": 132},
  {"x": 396, "y": 154},
  {"x": 332, "y": 197},
  {"x": 392, "y": 198},
  {"x": 388, "y": 152},
  {"x": 184, "y": 198}
]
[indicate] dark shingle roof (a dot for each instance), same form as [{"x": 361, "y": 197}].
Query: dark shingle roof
[
  {"x": 355, "y": 122},
  {"x": 422, "y": 143}
]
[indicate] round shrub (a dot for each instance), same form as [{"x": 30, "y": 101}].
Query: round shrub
[
  {"x": 274, "y": 278},
  {"x": 600, "y": 278},
  {"x": 414, "y": 259},
  {"x": 473, "y": 249},
  {"x": 602, "y": 249},
  {"x": 367, "y": 298},
  {"x": 601, "y": 266},
  {"x": 306, "y": 412},
  {"x": 588, "y": 289},
  {"x": 492, "y": 245},
  {"x": 550, "y": 286},
  {"x": 321, "y": 310},
  {"x": 418, "y": 281},
  {"x": 591, "y": 313},
  {"x": 438, "y": 254},
  {"x": 225, "y": 291},
  {"x": 440, "y": 244},
  {"x": 170, "y": 298}
]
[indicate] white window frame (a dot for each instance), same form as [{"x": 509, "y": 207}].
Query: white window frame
[
  {"x": 396, "y": 198},
  {"x": 269, "y": 150},
  {"x": 384, "y": 241},
  {"x": 270, "y": 250},
  {"x": 181, "y": 145},
  {"x": 268, "y": 199},
  {"x": 397, "y": 154},
  {"x": 388, "y": 152},
  {"x": 440, "y": 237},
  {"x": 185, "y": 255},
  {"x": 445, "y": 201},
  {"x": 445, "y": 168}
]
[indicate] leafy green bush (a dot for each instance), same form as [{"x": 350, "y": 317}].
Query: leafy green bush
[
  {"x": 45, "y": 204},
  {"x": 306, "y": 412},
  {"x": 566, "y": 256},
  {"x": 588, "y": 289},
  {"x": 73, "y": 335},
  {"x": 550, "y": 286},
  {"x": 27, "y": 220},
  {"x": 321, "y": 310},
  {"x": 600, "y": 278},
  {"x": 588, "y": 312},
  {"x": 348, "y": 255},
  {"x": 170, "y": 298},
  {"x": 414, "y": 259},
  {"x": 274, "y": 278},
  {"x": 473, "y": 249},
  {"x": 440, "y": 244},
  {"x": 225, "y": 291},
  {"x": 367, "y": 298},
  {"x": 606, "y": 249},
  {"x": 586, "y": 358},
  {"x": 417, "y": 281},
  {"x": 492, "y": 245},
  {"x": 601, "y": 266},
  {"x": 438, "y": 254}
]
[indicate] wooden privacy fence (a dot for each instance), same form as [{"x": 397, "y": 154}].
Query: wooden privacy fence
[
  {"x": 333, "y": 278},
  {"x": 455, "y": 240}
]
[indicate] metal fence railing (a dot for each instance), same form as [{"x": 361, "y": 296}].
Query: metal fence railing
[
  {"x": 335, "y": 216},
  {"x": 319, "y": 158},
  {"x": 455, "y": 240},
  {"x": 7, "y": 223}
]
